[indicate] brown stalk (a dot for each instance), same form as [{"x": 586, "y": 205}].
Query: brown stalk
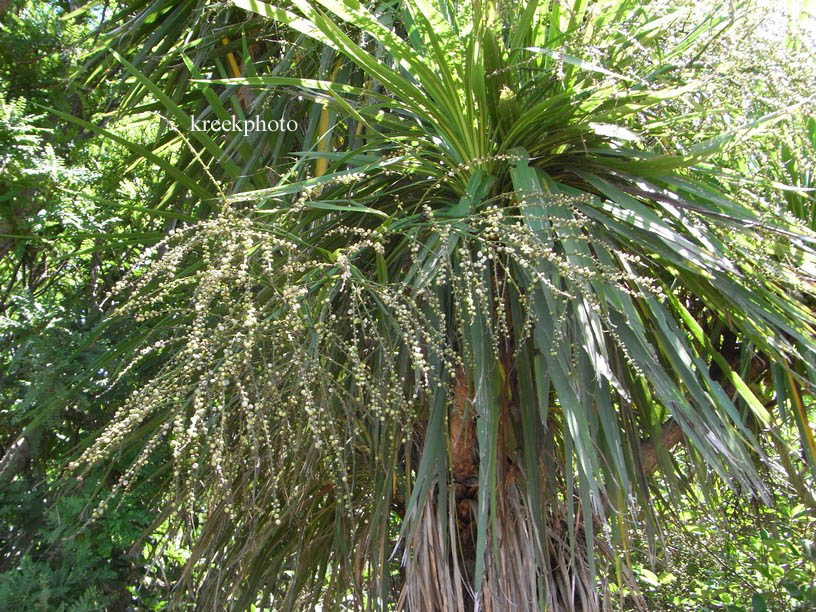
[{"x": 670, "y": 435}]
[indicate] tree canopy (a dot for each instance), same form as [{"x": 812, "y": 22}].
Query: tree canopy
[{"x": 522, "y": 285}]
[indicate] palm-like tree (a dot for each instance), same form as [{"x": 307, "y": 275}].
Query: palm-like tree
[{"x": 441, "y": 370}]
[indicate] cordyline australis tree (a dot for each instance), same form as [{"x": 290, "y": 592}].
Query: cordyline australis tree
[{"x": 441, "y": 373}]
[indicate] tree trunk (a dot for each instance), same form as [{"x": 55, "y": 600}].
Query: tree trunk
[
  {"x": 670, "y": 435},
  {"x": 15, "y": 459},
  {"x": 440, "y": 566}
]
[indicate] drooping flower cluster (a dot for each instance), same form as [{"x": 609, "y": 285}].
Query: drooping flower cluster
[{"x": 277, "y": 357}]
